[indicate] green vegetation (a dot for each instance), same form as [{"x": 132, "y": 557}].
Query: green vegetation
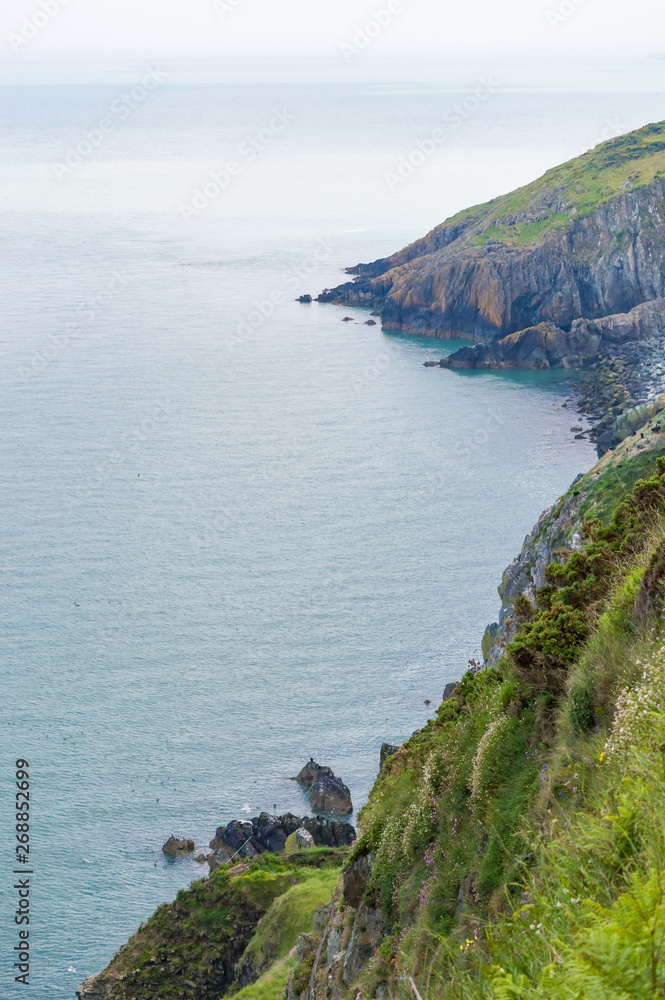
[
  {"x": 270, "y": 985},
  {"x": 193, "y": 947},
  {"x": 290, "y": 915},
  {"x": 570, "y": 191},
  {"x": 519, "y": 843},
  {"x": 517, "y": 839}
]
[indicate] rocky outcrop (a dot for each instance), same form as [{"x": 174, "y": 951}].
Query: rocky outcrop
[
  {"x": 328, "y": 793},
  {"x": 558, "y": 529},
  {"x": 548, "y": 346},
  {"x": 627, "y": 424},
  {"x": 301, "y": 840},
  {"x": 581, "y": 244},
  {"x": 175, "y": 848},
  {"x": 347, "y": 934},
  {"x": 243, "y": 839},
  {"x": 386, "y": 752}
]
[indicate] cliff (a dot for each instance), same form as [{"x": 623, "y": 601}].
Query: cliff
[
  {"x": 513, "y": 847},
  {"x": 583, "y": 243}
]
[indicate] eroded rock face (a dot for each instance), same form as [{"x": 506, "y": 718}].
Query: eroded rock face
[
  {"x": 356, "y": 880},
  {"x": 548, "y": 346},
  {"x": 369, "y": 929},
  {"x": 457, "y": 283},
  {"x": 387, "y": 750},
  {"x": 95, "y": 988},
  {"x": 449, "y": 690}
]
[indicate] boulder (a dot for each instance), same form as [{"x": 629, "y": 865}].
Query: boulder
[
  {"x": 304, "y": 839},
  {"x": 329, "y": 794},
  {"x": 304, "y": 298},
  {"x": 300, "y": 840},
  {"x": 449, "y": 690},
  {"x": 175, "y": 848}
]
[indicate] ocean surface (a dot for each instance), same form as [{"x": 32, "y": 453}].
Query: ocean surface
[{"x": 237, "y": 532}]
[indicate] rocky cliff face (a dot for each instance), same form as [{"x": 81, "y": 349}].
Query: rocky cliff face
[
  {"x": 549, "y": 346},
  {"x": 585, "y": 242},
  {"x": 560, "y": 529}
]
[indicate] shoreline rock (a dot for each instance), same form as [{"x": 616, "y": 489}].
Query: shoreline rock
[
  {"x": 175, "y": 848},
  {"x": 243, "y": 839},
  {"x": 327, "y": 792}
]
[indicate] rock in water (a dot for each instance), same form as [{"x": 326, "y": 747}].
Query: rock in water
[
  {"x": 178, "y": 848},
  {"x": 304, "y": 298},
  {"x": 310, "y": 772},
  {"x": 328, "y": 793}
]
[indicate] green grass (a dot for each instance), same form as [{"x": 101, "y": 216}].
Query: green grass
[
  {"x": 271, "y": 985},
  {"x": 523, "y": 786},
  {"x": 292, "y": 914},
  {"x": 570, "y": 191},
  {"x": 264, "y": 904}
]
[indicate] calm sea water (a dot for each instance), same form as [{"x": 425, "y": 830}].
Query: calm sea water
[{"x": 236, "y": 531}]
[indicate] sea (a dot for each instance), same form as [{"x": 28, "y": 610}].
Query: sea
[{"x": 236, "y": 531}]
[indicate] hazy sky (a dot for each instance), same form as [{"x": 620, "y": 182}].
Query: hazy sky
[{"x": 80, "y": 28}]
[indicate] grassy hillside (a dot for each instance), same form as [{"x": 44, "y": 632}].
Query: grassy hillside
[
  {"x": 516, "y": 842},
  {"x": 519, "y": 838},
  {"x": 572, "y": 190},
  {"x": 224, "y": 928}
]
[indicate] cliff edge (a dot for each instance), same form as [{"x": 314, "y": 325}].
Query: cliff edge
[{"x": 583, "y": 243}]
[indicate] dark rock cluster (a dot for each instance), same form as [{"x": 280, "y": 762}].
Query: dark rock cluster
[{"x": 247, "y": 838}]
